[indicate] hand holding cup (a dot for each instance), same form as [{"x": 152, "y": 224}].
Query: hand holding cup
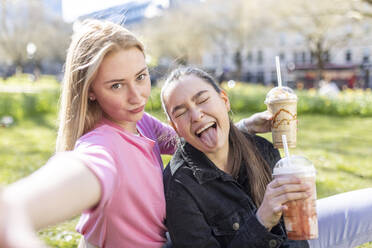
[{"x": 279, "y": 192}]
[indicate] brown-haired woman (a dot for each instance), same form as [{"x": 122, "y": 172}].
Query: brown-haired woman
[{"x": 218, "y": 185}]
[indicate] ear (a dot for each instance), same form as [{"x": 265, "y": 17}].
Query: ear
[
  {"x": 91, "y": 95},
  {"x": 225, "y": 98}
]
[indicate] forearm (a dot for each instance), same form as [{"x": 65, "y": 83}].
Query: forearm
[
  {"x": 56, "y": 192},
  {"x": 243, "y": 126},
  {"x": 256, "y": 123}
]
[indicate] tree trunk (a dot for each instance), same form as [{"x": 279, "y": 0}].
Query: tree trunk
[{"x": 320, "y": 62}]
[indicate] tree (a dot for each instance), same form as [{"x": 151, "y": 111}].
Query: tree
[
  {"x": 23, "y": 23},
  {"x": 234, "y": 26},
  {"x": 176, "y": 35},
  {"x": 187, "y": 33},
  {"x": 321, "y": 24},
  {"x": 362, "y": 8}
]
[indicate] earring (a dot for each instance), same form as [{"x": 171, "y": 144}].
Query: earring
[{"x": 91, "y": 98}]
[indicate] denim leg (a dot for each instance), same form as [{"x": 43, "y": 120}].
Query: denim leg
[
  {"x": 345, "y": 220},
  {"x": 168, "y": 244}
]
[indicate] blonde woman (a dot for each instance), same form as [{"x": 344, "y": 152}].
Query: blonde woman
[{"x": 108, "y": 165}]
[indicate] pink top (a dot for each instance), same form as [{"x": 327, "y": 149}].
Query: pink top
[{"x": 131, "y": 210}]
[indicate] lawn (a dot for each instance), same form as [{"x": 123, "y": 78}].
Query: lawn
[{"x": 340, "y": 148}]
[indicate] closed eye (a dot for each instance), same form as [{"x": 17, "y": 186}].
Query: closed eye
[
  {"x": 180, "y": 113},
  {"x": 202, "y": 100}
]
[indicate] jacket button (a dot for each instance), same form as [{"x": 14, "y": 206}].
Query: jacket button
[
  {"x": 236, "y": 226},
  {"x": 273, "y": 243}
]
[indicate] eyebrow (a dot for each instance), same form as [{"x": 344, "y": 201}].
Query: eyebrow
[
  {"x": 123, "y": 79},
  {"x": 196, "y": 96}
]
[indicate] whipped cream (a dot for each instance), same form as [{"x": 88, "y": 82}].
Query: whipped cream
[
  {"x": 294, "y": 165},
  {"x": 280, "y": 93}
]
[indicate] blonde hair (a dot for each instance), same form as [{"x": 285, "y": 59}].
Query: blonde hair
[{"x": 90, "y": 44}]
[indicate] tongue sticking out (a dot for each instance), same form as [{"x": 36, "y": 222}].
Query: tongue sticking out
[{"x": 209, "y": 137}]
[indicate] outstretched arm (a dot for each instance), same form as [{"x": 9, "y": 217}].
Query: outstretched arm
[{"x": 58, "y": 191}]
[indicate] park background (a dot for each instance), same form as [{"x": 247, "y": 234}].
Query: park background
[{"x": 334, "y": 130}]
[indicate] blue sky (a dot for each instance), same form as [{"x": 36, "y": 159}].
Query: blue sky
[{"x": 74, "y": 8}]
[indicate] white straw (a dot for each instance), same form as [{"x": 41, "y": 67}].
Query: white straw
[
  {"x": 278, "y": 74},
  {"x": 285, "y": 145}
]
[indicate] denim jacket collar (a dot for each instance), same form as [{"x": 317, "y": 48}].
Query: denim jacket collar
[{"x": 203, "y": 169}]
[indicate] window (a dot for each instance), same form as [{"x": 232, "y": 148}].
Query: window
[
  {"x": 295, "y": 57},
  {"x": 260, "y": 77},
  {"x": 365, "y": 56},
  {"x": 259, "y": 57},
  {"x": 312, "y": 57},
  {"x": 274, "y": 77},
  {"x": 348, "y": 56},
  {"x": 282, "y": 39},
  {"x": 249, "y": 57},
  {"x": 327, "y": 57},
  {"x": 303, "y": 57}
]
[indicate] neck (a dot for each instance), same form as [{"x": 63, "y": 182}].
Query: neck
[
  {"x": 220, "y": 158},
  {"x": 127, "y": 126}
]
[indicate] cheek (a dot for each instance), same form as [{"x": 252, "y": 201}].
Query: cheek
[
  {"x": 110, "y": 103},
  {"x": 147, "y": 89},
  {"x": 182, "y": 128}
]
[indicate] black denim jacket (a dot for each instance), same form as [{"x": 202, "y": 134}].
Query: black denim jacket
[{"x": 208, "y": 208}]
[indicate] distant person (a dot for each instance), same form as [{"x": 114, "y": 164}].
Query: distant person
[{"x": 328, "y": 88}]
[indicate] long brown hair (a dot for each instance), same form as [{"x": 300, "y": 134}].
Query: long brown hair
[{"x": 242, "y": 150}]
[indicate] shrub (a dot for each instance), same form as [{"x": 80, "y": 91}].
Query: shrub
[
  {"x": 28, "y": 105},
  {"x": 251, "y": 97}
]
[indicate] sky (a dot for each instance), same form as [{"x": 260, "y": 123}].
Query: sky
[{"x": 71, "y": 9}]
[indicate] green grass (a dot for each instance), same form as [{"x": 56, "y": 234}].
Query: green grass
[{"x": 340, "y": 148}]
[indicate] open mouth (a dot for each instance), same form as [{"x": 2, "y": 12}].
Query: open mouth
[{"x": 200, "y": 131}]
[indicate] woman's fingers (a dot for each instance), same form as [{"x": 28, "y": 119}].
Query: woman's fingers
[
  {"x": 15, "y": 229},
  {"x": 280, "y": 181},
  {"x": 288, "y": 189},
  {"x": 278, "y": 210},
  {"x": 284, "y": 198},
  {"x": 278, "y": 192}
]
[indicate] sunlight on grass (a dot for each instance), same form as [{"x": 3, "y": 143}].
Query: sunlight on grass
[{"x": 339, "y": 147}]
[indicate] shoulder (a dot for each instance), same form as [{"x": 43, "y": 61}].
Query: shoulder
[
  {"x": 151, "y": 126},
  {"x": 148, "y": 119},
  {"x": 261, "y": 142},
  {"x": 173, "y": 167},
  {"x": 176, "y": 172},
  {"x": 103, "y": 136}
]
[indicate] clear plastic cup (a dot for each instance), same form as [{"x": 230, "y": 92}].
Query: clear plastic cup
[
  {"x": 282, "y": 104},
  {"x": 300, "y": 219}
]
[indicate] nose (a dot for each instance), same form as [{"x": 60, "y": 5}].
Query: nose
[
  {"x": 196, "y": 114},
  {"x": 134, "y": 94}
]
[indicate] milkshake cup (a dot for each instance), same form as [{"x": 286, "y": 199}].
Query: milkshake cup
[
  {"x": 282, "y": 104},
  {"x": 300, "y": 219}
]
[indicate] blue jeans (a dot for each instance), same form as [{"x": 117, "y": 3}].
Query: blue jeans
[
  {"x": 345, "y": 220},
  {"x": 168, "y": 244}
]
